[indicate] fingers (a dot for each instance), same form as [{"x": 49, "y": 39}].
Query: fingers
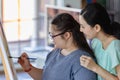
[
  {"x": 24, "y": 55},
  {"x": 88, "y": 62},
  {"x": 23, "y": 58},
  {"x": 85, "y": 57},
  {"x": 84, "y": 60},
  {"x": 24, "y": 62}
]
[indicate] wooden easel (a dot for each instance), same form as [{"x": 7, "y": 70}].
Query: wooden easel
[
  {"x": 10, "y": 72},
  {"x": 7, "y": 68}
]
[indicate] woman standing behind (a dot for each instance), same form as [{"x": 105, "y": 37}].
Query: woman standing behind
[
  {"x": 63, "y": 62},
  {"x": 95, "y": 24}
]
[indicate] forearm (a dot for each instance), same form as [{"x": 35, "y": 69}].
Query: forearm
[
  {"x": 105, "y": 74},
  {"x": 118, "y": 70},
  {"x": 35, "y": 73}
]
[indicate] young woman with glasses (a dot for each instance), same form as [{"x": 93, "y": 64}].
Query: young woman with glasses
[{"x": 63, "y": 62}]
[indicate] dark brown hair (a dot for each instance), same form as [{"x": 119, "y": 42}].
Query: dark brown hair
[{"x": 65, "y": 22}]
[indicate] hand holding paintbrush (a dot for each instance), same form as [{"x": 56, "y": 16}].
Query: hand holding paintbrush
[{"x": 23, "y": 60}]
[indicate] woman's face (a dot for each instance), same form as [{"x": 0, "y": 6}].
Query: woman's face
[
  {"x": 56, "y": 36},
  {"x": 88, "y": 31}
]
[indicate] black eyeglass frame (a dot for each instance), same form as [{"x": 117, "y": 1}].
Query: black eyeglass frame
[{"x": 53, "y": 36}]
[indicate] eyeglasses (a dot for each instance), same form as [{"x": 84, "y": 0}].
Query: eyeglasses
[{"x": 53, "y": 36}]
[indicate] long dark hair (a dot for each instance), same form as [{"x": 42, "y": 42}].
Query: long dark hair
[
  {"x": 94, "y": 13},
  {"x": 65, "y": 22}
]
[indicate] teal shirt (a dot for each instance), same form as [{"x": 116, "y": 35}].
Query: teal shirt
[{"x": 107, "y": 58}]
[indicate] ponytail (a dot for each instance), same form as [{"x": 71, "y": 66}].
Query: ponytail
[{"x": 116, "y": 29}]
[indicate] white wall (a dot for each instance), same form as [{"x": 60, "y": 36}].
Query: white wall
[
  {"x": 60, "y": 2},
  {"x": 73, "y": 3}
]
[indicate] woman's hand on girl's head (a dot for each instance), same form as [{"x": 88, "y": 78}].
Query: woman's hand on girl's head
[
  {"x": 88, "y": 63},
  {"x": 24, "y": 62}
]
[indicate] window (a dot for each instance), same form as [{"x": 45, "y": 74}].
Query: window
[
  {"x": 23, "y": 22},
  {"x": 19, "y": 20}
]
